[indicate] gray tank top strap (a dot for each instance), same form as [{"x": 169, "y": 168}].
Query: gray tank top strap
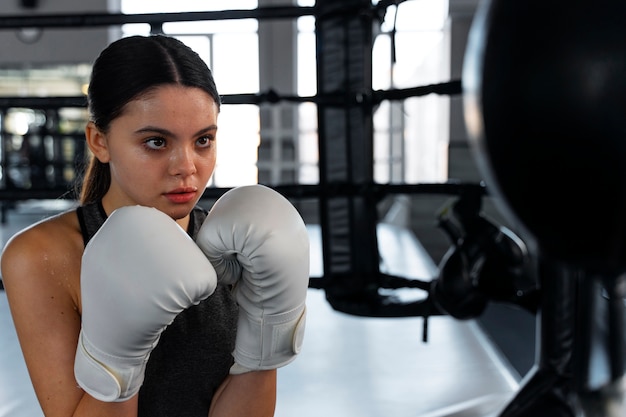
[
  {"x": 198, "y": 214},
  {"x": 91, "y": 217}
]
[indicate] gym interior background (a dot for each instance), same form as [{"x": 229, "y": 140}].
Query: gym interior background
[{"x": 389, "y": 149}]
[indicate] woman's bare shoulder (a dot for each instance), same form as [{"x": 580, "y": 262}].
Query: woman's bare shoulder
[
  {"x": 45, "y": 250},
  {"x": 53, "y": 234}
]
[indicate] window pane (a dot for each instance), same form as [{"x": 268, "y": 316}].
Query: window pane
[
  {"x": 236, "y": 58},
  {"x": 169, "y": 6},
  {"x": 411, "y": 136},
  {"x": 420, "y": 15},
  {"x": 307, "y": 61},
  {"x": 237, "y": 144},
  {"x": 212, "y": 26}
]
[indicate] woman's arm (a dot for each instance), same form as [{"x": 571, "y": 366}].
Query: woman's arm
[
  {"x": 252, "y": 394},
  {"x": 40, "y": 273}
]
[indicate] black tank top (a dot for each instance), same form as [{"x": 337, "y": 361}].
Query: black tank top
[{"x": 193, "y": 355}]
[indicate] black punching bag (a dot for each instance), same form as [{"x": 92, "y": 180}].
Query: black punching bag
[{"x": 545, "y": 106}]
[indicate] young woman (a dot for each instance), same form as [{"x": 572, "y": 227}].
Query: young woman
[{"x": 153, "y": 123}]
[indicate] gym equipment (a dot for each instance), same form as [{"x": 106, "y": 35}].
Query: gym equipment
[{"x": 545, "y": 98}]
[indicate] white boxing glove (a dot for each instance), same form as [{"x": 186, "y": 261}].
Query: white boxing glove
[
  {"x": 138, "y": 272},
  {"x": 256, "y": 240}
]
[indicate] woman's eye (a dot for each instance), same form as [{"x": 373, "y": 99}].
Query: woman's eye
[
  {"x": 205, "y": 141},
  {"x": 155, "y": 143}
]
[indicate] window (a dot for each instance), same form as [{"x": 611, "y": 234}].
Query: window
[{"x": 411, "y": 136}]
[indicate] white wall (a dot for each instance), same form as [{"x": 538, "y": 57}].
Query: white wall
[{"x": 55, "y": 46}]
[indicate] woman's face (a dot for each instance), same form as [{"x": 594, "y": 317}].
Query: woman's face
[{"x": 161, "y": 150}]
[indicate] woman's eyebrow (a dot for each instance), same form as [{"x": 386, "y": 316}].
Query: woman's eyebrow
[
  {"x": 165, "y": 132},
  {"x": 206, "y": 130},
  {"x": 154, "y": 129}
]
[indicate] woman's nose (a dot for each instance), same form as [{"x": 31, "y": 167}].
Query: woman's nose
[{"x": 182, "y": 162}]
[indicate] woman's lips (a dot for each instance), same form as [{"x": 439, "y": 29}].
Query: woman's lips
[{"x": 181, "y": 196}]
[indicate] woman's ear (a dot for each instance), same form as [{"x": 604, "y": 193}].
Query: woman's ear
[{"x": 97, "y": 142}]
